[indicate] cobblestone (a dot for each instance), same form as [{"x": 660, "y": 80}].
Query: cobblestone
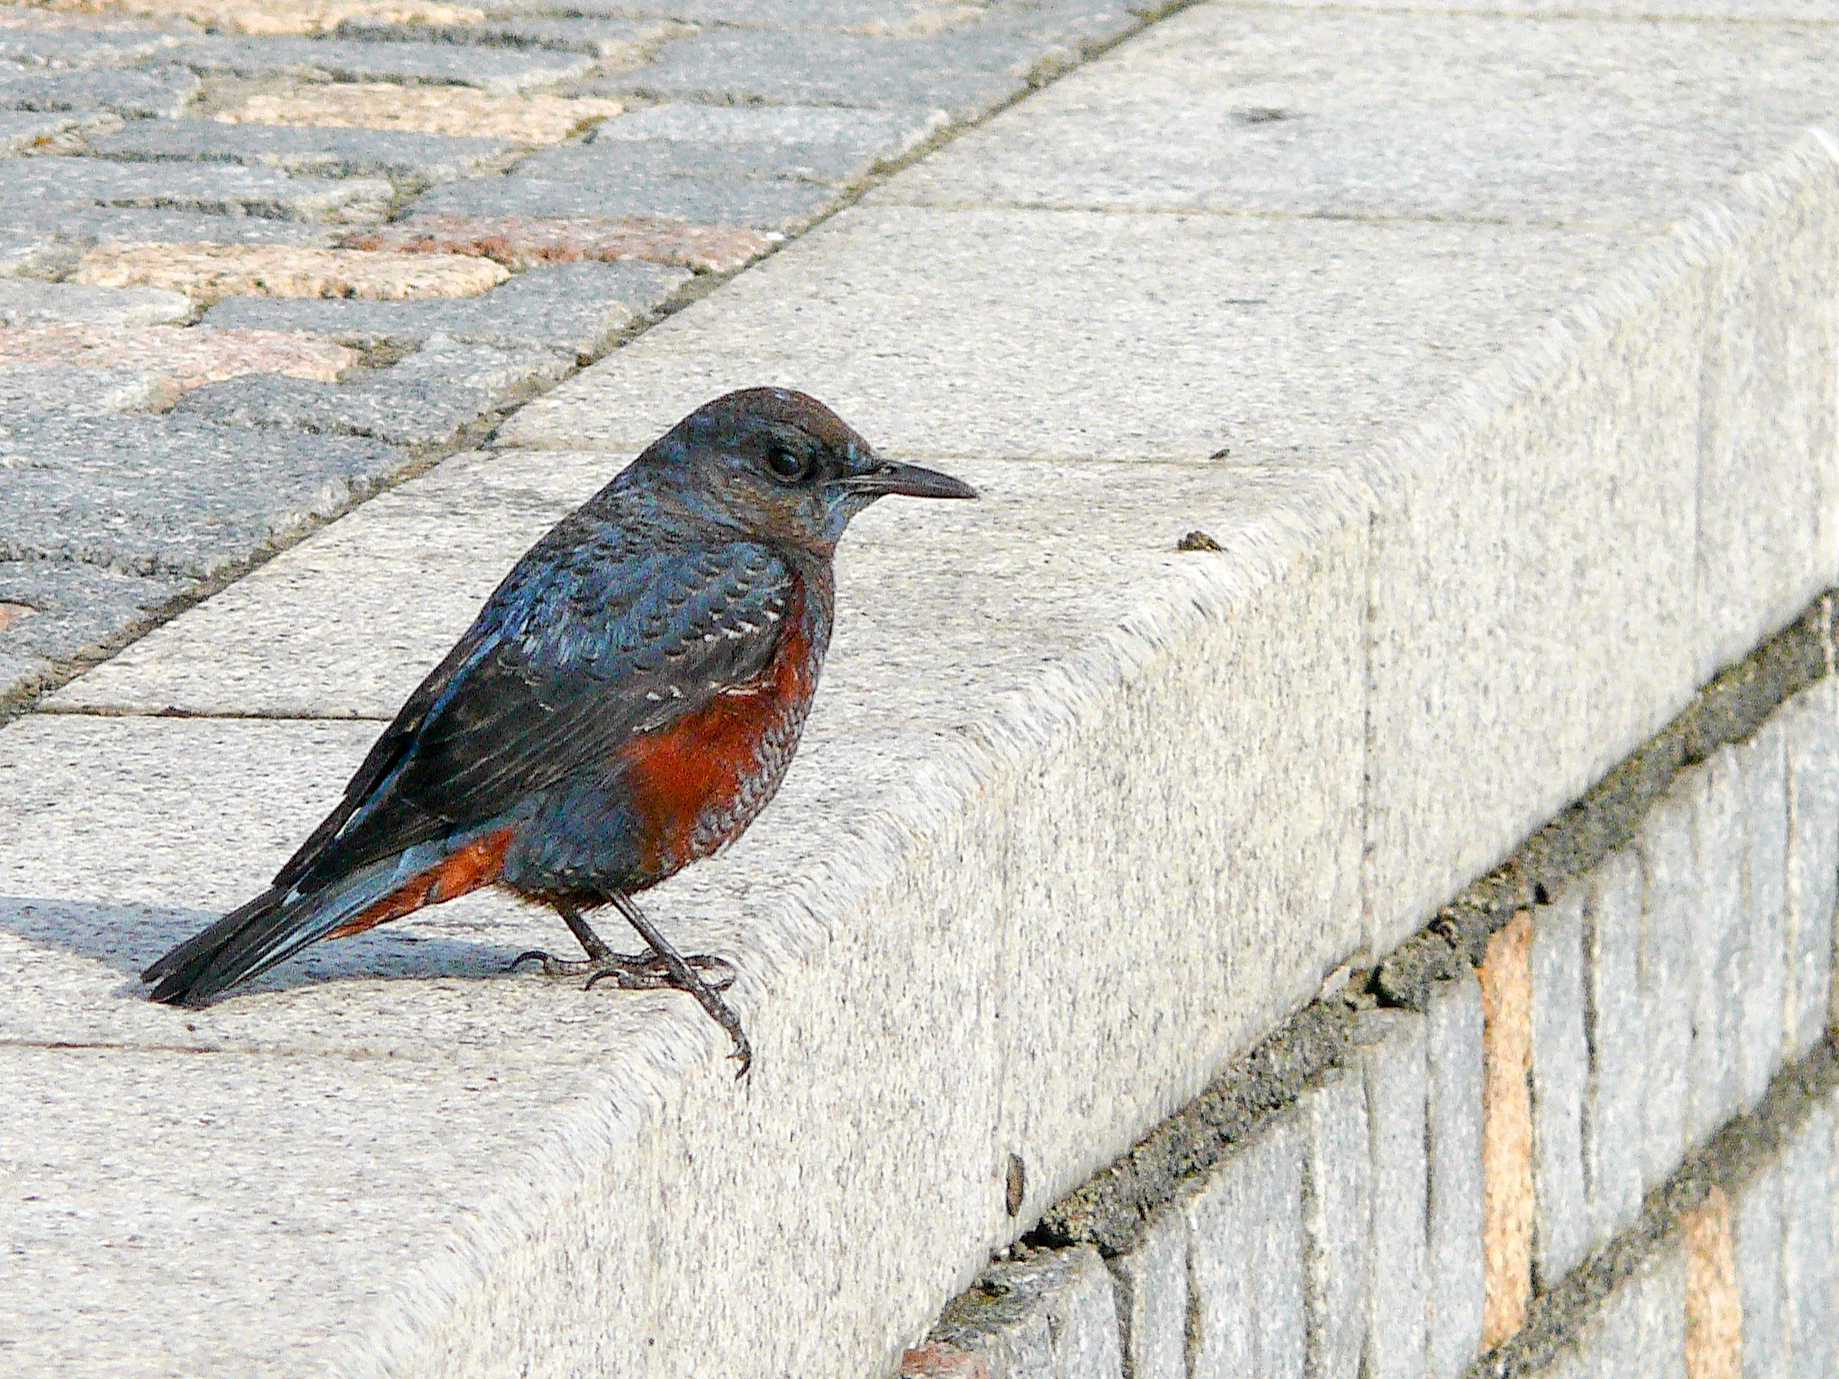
[
  {"x": 63, "y": 46},
  {"x": 499, "y": 70},
  {"x": 420, "y": 158},
  {"x": 61, "y": 612},
  {"x": 578, "y": 307},
  {"x": 205, "y": 273},
  {"x": 44, "y": 186},
  {"x": 519, "y": 242},
  {"x": 20, "y": 131},
  {"x": 162, "y": 92},
  {"x": 27, "y": 303},
  {"x": 281, "y": 16},
  {"x": 88, "y": 225},
  {"x": 53, "y": 389},
  {"x": 189, "y": 358},
  {"x": 535, "y": 119},
  {"x": 764, "y": 205}
]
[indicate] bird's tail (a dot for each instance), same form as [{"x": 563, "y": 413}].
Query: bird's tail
[{"x": 254, "y": 937}]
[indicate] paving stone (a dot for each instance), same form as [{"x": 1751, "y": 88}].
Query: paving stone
[
  {"x": 160, "y": 92},
  {"x": 56, "y": 388},
  {"x": 1152, "y": 1300},
  {"x": 25, "y": 303},
  {"x": 62, "y": 47},
  {"x": 1391, "y": 1056},
  {"x": 223, "y": 494},
  {"x": 1507, "y": 1131},
  {"x": 451, "y": 111},
  {"x": 44, "y": 186},
  {"x": 792, "y": 14},
  {"x": 1614, "y": 1109},
  {"x": 1813, "y": 864},
  {"x": 575, "y": 307},
  {"x": 318, "y": 151},
  {"x": 1048, "y": 1314},
  {"x": 1456, "y": 1268},
  {"x": 1560, "y": 1086},
  {"x": 865, "y": 133},
  {"x": 655, "y": 161},
  {"x": 1245, "y": 1258},
  {"x": 1763, "y": 976},
  {"x": 1756, "y": 1234},
  {"x": 613, "y": 42},
  {"x": 1337, "y": 1221},
  {"x": 763, "y": 205},
  {"x": 19, "y": 132},
  {"x": 206, "y": 272},
  {"x": 55, "y": 613},
  {"x": 1447, "y": 116},
  {"x": 86, "y": 225},
  {"x": 190, "y": 357},
  {"x": 427, "y": 400},
  {"x": 958, "y": 73},
  {"x": 1714, "y": 1307},
  {"x": 499, "y": 70},
  {"x": 1721, "y": 831},
  {"x": 519, "y": 242},
  {"x": 1667, "y": 981},
  {"x": 1810, "y": 1225},
  {"x": 282, "y": 16}
]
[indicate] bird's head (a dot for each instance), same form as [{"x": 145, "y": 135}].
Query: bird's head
[{"x": 778, "y": 464}]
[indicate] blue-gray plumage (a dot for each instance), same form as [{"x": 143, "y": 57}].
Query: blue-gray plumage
[{"x": 626, "y": 702}]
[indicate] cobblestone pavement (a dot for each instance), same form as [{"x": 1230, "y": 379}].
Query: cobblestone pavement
[{"x": 258, "y": 260}]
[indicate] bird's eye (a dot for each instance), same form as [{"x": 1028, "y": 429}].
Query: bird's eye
[{"x": 787, "y": 465}]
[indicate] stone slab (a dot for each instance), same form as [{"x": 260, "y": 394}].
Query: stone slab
[
  {"x": 1454, "y": 1264},
  {"x": 1152, "y": 1301},
  {"x": 1813, "y": 864},
  {"x": 1668, "y": 967},
  {"x": 1756, "y": 1234},
  {"x": 1615, "y": 1101},
  {"x": 226, "y": 493},
  {"x": 866, "y": 309},
  {"x": 1810, "y": 1220},
  {"x": 1560, "y": 1086},
  {"x": 1049, "y": 1313},
  {"x": 1763, "y": 996},
  {"x": 1721, "y": 835},
  {"x": 577, "y": 307},
  {"x": 1391, "y": 1054},
  {"x": 1337, "y": 1223},
  {"x": 921, "y": 730},
  {"x": 1445, "y": 116}
]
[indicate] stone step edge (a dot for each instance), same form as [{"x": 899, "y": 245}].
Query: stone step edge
[{"x": 1111, "y": 1211}]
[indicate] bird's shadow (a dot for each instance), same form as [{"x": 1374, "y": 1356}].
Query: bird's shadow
[{"x": 128, "y": 937}]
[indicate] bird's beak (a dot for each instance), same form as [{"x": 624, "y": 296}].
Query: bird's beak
[{"x": 908, "y": 480}]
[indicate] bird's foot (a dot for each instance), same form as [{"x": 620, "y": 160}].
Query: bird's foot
[{"x": 629, "y": 971}]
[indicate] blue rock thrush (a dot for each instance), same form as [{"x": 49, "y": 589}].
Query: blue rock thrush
[{"x": 626, "y": 702}]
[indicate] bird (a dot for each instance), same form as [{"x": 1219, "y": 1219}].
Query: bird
[{"x": 625, "y": 703}]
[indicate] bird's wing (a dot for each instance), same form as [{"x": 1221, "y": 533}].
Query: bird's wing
[{"x": 580, "y": 648}]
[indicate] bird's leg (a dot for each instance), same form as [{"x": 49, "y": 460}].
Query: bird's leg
[
  {"x": 685, "y": 978},
  {"x": 633, "y": 971}
]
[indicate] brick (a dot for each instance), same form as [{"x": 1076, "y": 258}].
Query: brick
[
  {"x": 518, "y": 243},
  {"x": 1050, "y": 1313},
  {"x": 500, "y": 70},
  {"x": 1714, "y": 1309},
  {"x": 1756, "y": 1244},
  {"x": 1560, "y": 1086},
  {"x": 161, "y": 92},
  {"x": 426, "y": 400},
  {"x": 1809, "y": 1230},
  {"x": 1763, "y": 937},
  {"x": 1639, "y": 1331},
  {"x": 1152, "y": 1301},
  {"x": 1614, "y": 1109},
  {"x": 206, "y": 272},
  {"x": 1720, "y": 833},
  {"x": 443, "y": 110},
  {"x": 1337, "y": 1224},
  {"x": 419, "y": 158},
  {"x": 280, "y": 16},
  {"x": 223, "y": 494},
  {"x": 190, "y": 357},
  {"x": 577, "y": 307},
  {"x": 1245, "y": 1260},
  {"x": 1665, "y": 844},
  {"x": 27, "y": 303},
  {"x": 763, "y": 205},
  {"x": 42, "y": 186},
  {"x": 1391, "y": 1052},
  {"x": 1813, "y": 864},
  {"x": 1507, "y": 1152},
  {"x": 1453, "y": 1312}
]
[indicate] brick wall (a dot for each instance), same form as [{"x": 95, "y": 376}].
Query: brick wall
[{"x": 1584, "y": 1124}]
